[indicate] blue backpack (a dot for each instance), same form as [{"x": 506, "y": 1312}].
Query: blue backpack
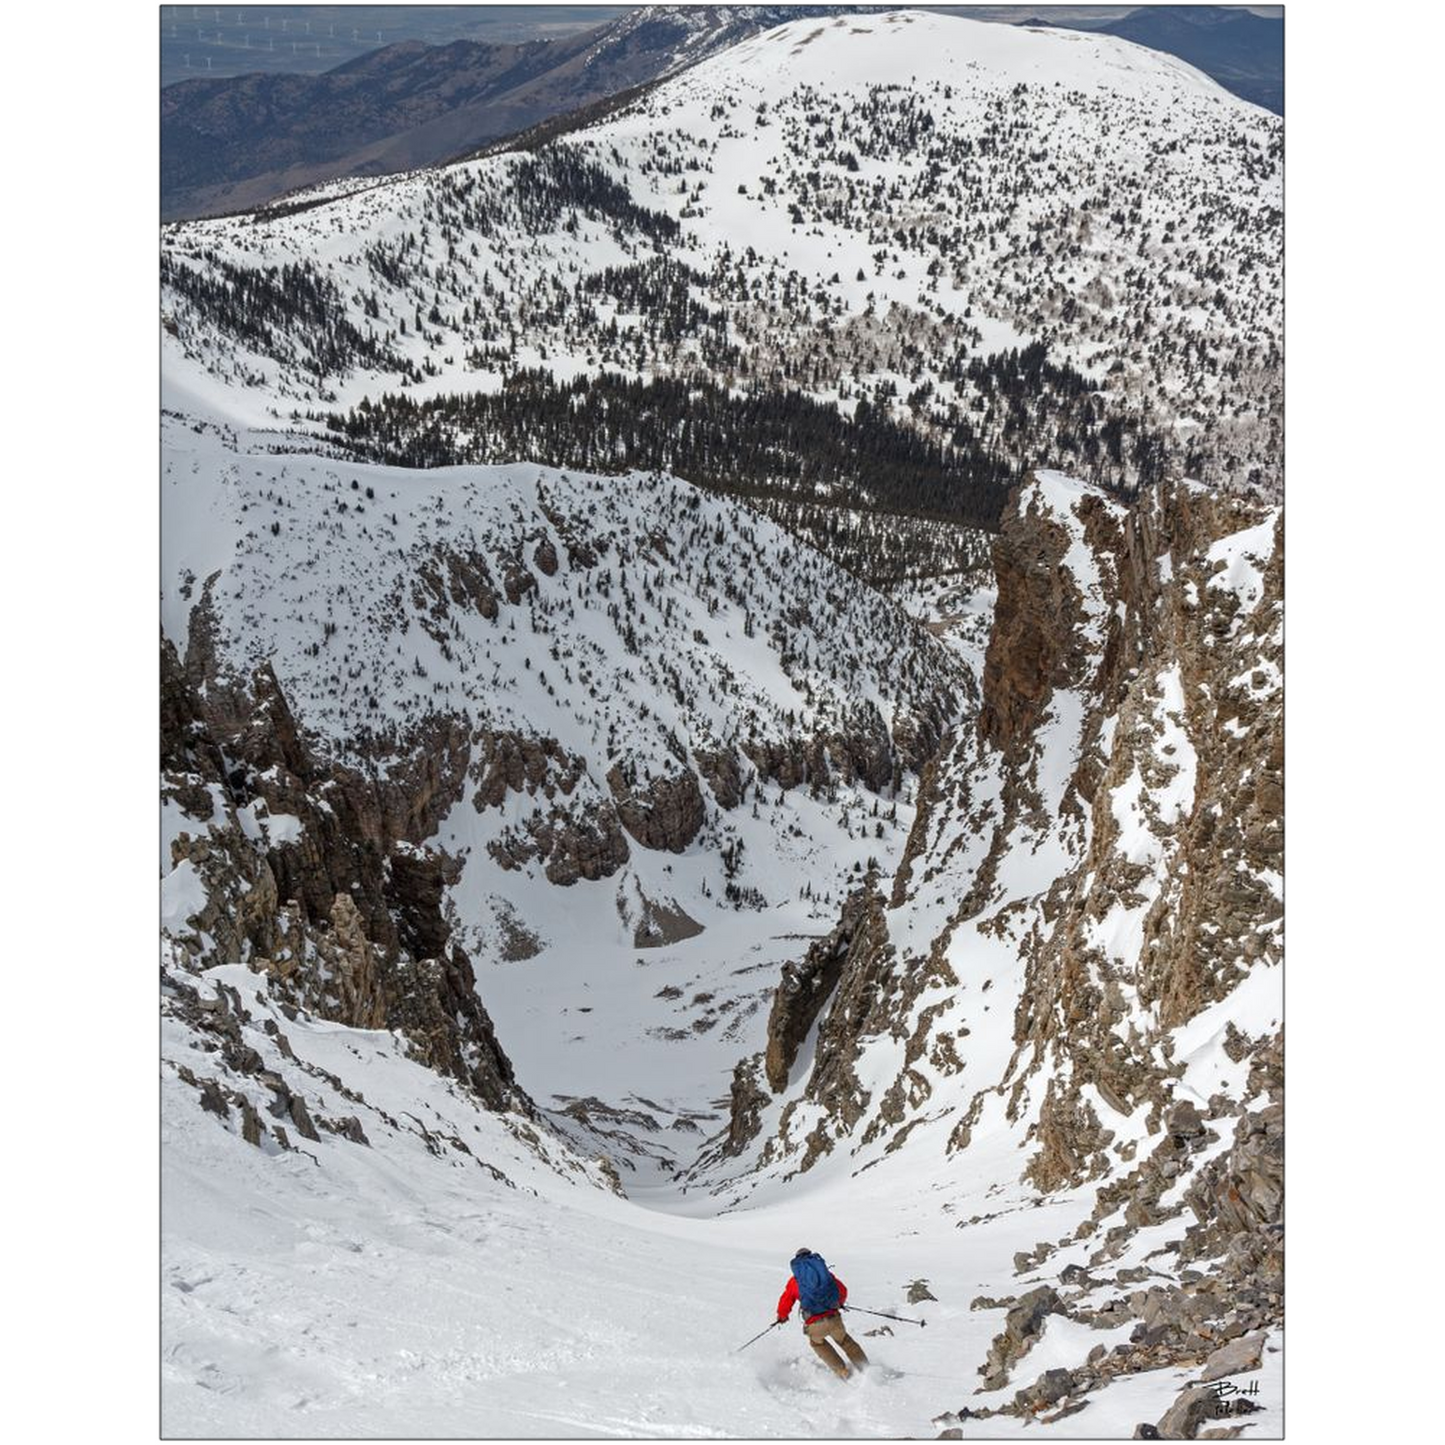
[{"x": 817, "y": 1289}]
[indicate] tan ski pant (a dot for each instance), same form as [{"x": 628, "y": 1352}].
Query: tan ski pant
[{"x": 830, "y": 1327}]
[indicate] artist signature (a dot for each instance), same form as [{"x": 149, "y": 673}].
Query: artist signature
[{"x": 1232, "y": 1399}]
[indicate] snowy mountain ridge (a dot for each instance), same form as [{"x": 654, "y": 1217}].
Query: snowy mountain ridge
[{"x": 921, "y": 196}]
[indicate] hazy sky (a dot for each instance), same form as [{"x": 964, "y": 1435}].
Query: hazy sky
[
  {"x": 220, "y": 40},
  {"x": 199, "y": 40}
]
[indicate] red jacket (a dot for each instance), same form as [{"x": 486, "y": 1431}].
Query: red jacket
[{"x": 790, "y": 1298}]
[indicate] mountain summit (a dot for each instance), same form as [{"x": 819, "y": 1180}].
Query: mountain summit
[{"x": 1023, "y": 246}]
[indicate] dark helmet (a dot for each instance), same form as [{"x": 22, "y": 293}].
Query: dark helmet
[{"x": 798, "y": 1254}]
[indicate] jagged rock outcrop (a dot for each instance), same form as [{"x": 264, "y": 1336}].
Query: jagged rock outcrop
[
  {"x": 1184, "y": 812},
  {"x": 1105, "y": 837},
  {"x": 747, "y": 1099},
  {"x": 463, "y": 578},
  {"x": 505, "y": 761},
  {"x": 790, "y": 763},
  {"x": 313, "y": 873},
  {"x": 571, "y": 844},
  {"x": 1036, "y": 644},
  {"x": 662, "y": 813},
  {"x": 842, "y": 973},
  {"x": 808, "y": 986},
  {"x": 721, "y": 771},
  {"x": 855, "y": 1012},
  {"x": 1238, "y": 1203},
  {"x": 1022, "y": 1327},
  {"x": 864, "y": 750}
]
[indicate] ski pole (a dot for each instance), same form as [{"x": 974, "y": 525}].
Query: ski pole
[
  {"x": 757, "y": 1337},
  {"x": 882, "y": 1316}
]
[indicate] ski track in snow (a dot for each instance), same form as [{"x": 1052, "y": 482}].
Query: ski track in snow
[{"x": 384, "y": 1293}]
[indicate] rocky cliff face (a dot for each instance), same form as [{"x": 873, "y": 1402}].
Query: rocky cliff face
[
  {"x": 1177, "y": 897},
  {"x": 1082, "y": 945},
  {"x": 315, "y": 874}
]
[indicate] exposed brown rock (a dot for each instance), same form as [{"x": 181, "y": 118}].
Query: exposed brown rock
[
  {"x": 748, "y": 1100},
  {"x": 506, "y": 762},
  {"x": 1034, "y": 646},
  {"x": 347, "y": 917},
  {"x": 659, "y": 924},
  {"x": 1183, "y": 1418},
  {"x": 572, "y": 844},
  {"x": 720, "y": 769},
  {"x": 663, "y": 813},
  {"x": 806, "y": 987},
  {"x": 1234, "y": 1358},
  {"x": 1022, "y": 1326},
  {"x": 463, "y": 578}
]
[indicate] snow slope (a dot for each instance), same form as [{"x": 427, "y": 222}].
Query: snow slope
[{"x": 389, "y": 1290}]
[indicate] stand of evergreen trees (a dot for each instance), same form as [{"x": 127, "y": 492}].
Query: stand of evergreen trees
[
  {"x": 266, "y": 307},
  {"x": 773, "y": 444},
  {"x": 1035, "y": 406}
]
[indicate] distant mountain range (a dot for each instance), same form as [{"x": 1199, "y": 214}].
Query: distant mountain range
[
  {"x": 1243, "y": 51},
  {"x": 236, "y": 143}
]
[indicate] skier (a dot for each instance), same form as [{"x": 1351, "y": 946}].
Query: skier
[{"x": 819, "y": 1295}]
